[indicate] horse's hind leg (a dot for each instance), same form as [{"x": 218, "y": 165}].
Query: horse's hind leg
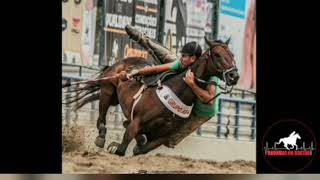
[{"x": 104, "y": 103}]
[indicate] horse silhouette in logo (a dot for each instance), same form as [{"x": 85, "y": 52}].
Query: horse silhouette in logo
[{"x": 291, "y": 140}]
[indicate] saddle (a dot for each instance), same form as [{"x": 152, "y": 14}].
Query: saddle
[
  {"x": 150, "y": 81},
  {"x": 165, "y": 94}
]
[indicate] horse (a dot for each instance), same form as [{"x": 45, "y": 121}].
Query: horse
[
  {"x": 291, "y": 140},
  {"x": 150, "y": 117}
]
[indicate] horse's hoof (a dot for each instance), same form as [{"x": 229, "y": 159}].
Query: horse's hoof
[
  {"x": 141, "y": 140},
  {"x": 100, "y": 142},
  {"x": 136, "y": 150},
  {"x": 119, "y": 153},
  {"x": 112, "y": 148}
]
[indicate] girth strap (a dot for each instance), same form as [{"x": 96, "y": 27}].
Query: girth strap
[{"x": 136, "y": 98}]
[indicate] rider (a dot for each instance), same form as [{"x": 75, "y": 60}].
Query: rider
[
  {"x": 202, "y": 110},
  {"x": 185, "y": 61}
]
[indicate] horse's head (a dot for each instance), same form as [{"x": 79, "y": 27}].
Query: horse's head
[
  {"x": 222, "y": 61},
  {"x": 297, "y": 136}
]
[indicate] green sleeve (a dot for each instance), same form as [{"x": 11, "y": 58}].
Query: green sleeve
[
  {"x": 176, "y": 65},
  {"x": 215, "y": 79}
]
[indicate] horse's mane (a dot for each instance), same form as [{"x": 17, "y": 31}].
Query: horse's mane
[
  {"x": 104, "y": 68},
  {"x": 204, "y": 54}
]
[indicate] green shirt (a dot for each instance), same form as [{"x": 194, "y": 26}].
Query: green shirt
[
  {"x": 206, "y": 110},
  {"x": 176, "y": 65},
  {"x": 200, "y": 109}
]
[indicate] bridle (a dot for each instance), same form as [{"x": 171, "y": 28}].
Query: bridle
[{"x": 227, "y": 89}]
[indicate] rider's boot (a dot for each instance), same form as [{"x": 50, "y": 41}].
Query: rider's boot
[
  {"x": 137, "y": 36},
  {"x": 162, "y": 53}
]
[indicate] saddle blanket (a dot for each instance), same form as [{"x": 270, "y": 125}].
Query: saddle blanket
[{"x": 173, "y": 103}]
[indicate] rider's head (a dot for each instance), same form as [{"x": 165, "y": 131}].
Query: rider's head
[{"x": 190, "y": 53}]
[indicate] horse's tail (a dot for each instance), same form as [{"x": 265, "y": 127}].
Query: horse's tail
[{"x": 84, "y": 95}]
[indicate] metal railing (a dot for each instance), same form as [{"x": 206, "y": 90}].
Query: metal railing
[
  {"x": 81, "y": 68},
  {"x": 237, "y": 115}
]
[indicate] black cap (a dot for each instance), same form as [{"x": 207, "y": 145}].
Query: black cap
[{"x": 192, "y": 49}]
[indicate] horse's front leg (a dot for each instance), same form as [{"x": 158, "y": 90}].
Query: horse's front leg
[
  {"x": 149, "y": 146},
  {"x": 130, "y": 133}
]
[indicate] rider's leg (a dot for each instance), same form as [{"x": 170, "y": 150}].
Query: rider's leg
[{"x": 162, "y": 53}]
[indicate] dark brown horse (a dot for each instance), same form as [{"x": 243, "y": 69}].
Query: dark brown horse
[{"x": 150, "y": 116}]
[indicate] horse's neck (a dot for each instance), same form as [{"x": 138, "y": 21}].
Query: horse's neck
[
  {"x": 200, "y": 70},
  {"x": 294, "y": 138}
]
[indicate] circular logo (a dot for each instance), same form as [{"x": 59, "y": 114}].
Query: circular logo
[{"x": 289, "y": 146}]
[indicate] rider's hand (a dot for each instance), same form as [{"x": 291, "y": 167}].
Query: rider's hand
[
  {"x": 189, "y": 78},
  {"x": 133, "y": 73},
  {"x": 123, "y": 75}
]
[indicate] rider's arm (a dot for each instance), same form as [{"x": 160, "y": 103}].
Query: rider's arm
[
  {"x": 154, "y": 69},
  {"x": 203, "y": 95},
  {"x": 159, "y": 68}
]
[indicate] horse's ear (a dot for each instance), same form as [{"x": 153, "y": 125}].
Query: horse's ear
[
  {"x": 208, "y": 41},
  {"x": 228, "y": 40}
]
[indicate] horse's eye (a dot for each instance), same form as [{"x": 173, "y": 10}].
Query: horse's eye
[{"x": 218, "y": 55}]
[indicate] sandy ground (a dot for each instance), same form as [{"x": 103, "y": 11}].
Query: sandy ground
[
  {"x": 80, "y": 156},
  {"x": 103, "y": 163}
]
